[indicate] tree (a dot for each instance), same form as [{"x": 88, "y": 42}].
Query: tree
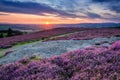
[
  {"x": 1, "y": 35},
  {"x": 9, "y": 32}
]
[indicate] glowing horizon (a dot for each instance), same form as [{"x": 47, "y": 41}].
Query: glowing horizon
[{"x": 17, "y": 18}]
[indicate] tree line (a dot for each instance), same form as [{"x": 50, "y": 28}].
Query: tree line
[{"x": 9, "y": 32}]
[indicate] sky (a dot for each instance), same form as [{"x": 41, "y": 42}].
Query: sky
[{"x": 59, "y": 11}]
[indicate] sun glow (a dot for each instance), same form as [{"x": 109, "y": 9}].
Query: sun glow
[{"x": 47, "y": 23}]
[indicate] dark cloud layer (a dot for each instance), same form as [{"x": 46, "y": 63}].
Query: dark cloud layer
[
  {"x": 37, "y": 8},
  {"x": 25, "y": 7},
  {"x": 113, "y": 5},
  {"x": 105, "y": 0},
  {"x": 93, "y": 15},
  {"x": 30, "y": 8}
]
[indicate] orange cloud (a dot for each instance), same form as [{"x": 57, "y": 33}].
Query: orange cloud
[{"x": 15, "y": 18}]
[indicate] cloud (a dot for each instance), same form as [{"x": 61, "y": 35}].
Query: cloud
[
  {"x": 24, "y": 7},
  {"x": 31, "y": 8},
  {"x": 105, "y": 0},
  {"x": 3, "y": 14},
  {"x": 93, "y": 15},
  {"x": 64, "y": 8},
  {"x": 111, "y": 4},
  {"x": 115, "y": 7}
]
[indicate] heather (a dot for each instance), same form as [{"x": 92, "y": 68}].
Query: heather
[
  {"x": 116, "y": 45},
  {"x": 52, "y": 48},
  {"x": 90, "y": 34},
  {"x": 92, "y": 63},
  {"x": 41, "y": 35},
  {"x": 55, "y": 34}
]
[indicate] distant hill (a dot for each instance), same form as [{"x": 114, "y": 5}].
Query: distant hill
[
  {"x": 91, "y": 25},
  {"x": 38, "y": 27},
  {"x": 21, "y": 27},
  {"x": 41, "y": 35}
]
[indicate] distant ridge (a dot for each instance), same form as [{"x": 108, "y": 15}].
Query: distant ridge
[
  {"x": 92, "y": 25},
  {"x": 38, "y": 27}
]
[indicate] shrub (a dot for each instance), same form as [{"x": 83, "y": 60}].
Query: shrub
[{"x": 115, "y": 46}]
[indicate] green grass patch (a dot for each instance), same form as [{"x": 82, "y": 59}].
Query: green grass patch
[
  {"x": 1, "y": 55},
  {"x": 4, "y": 34},
  {"x": 27, "y": 60},
  {"x": 27, "y": 42},
  {"x": 34, "y": 57},
  {"x": 63, "y": 35},
  {"x": 2, "y": 51}
]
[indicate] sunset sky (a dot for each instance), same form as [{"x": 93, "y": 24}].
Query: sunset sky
[{"x": 59, "y": 11}]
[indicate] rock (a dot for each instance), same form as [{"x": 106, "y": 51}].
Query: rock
[{"x": 8, "y": 52}]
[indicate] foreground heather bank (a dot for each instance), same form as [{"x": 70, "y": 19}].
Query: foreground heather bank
[{"x": 101, "y": 63}]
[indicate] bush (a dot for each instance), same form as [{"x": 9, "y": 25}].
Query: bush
[{"x": 115, "y": 46}]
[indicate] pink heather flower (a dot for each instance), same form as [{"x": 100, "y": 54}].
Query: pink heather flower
[{"x": 115, "y": 45}]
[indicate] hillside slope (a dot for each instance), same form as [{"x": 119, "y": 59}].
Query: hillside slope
[{"x": 7, "y": 42}]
